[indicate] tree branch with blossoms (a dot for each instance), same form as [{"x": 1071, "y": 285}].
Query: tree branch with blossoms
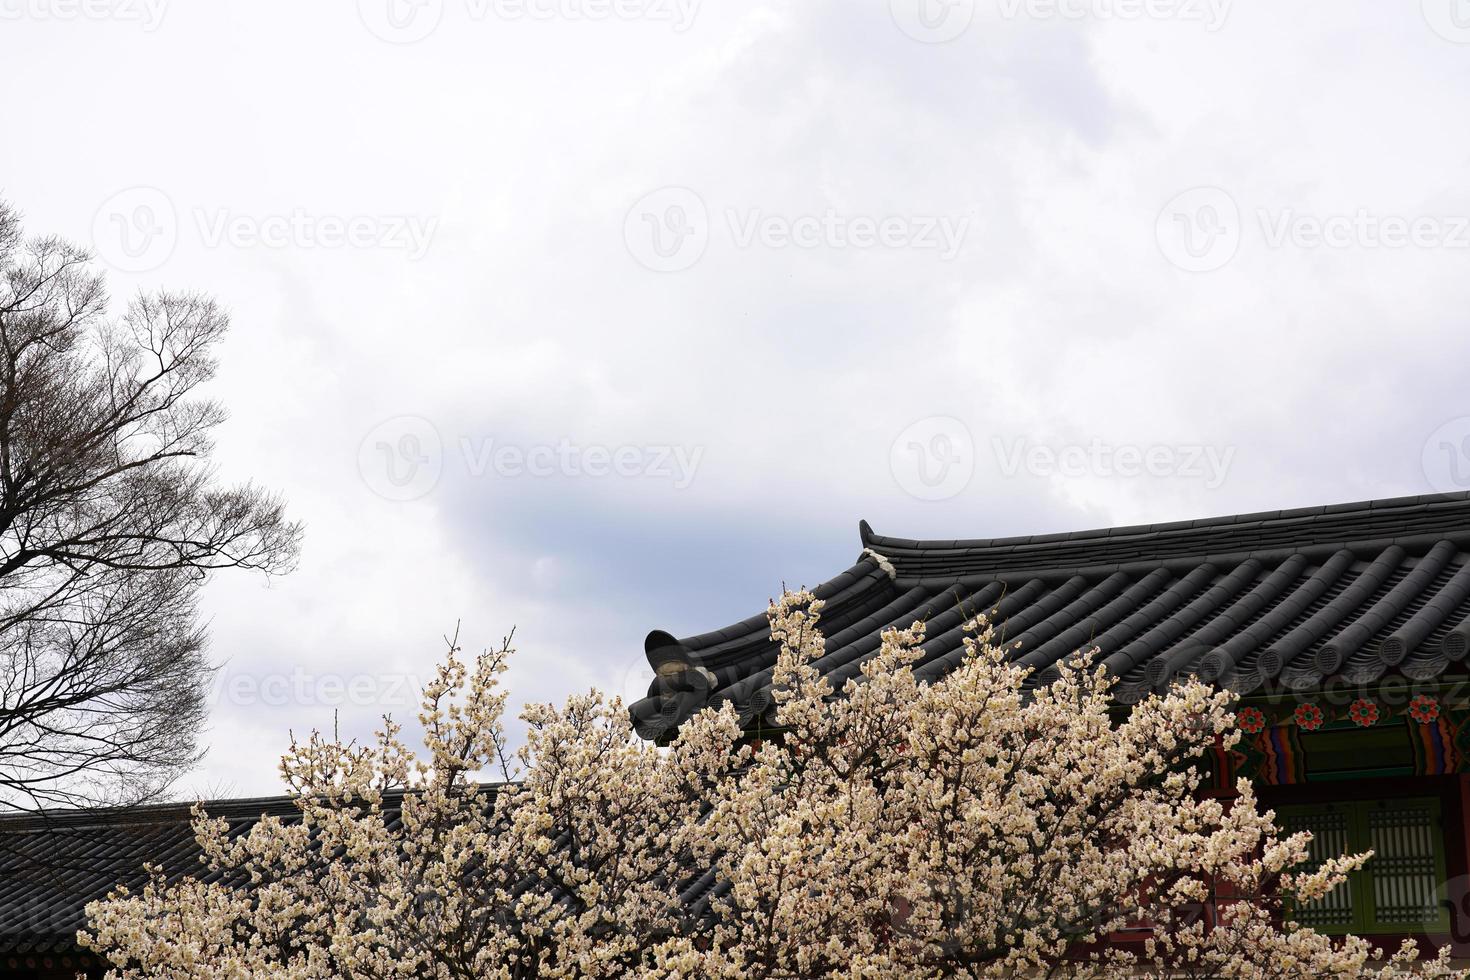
[{"x": 978, "y": 826}]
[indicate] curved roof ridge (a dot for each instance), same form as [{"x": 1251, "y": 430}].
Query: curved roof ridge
[
  {"x": 1293, "y": 516},
  {"x": 1247, "y": 601}
]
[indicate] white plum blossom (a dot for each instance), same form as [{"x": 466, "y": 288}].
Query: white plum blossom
[{"x": 979, "y": 826}]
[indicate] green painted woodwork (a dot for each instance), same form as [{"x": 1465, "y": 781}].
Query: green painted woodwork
[{"x": 1400, "y": 890}]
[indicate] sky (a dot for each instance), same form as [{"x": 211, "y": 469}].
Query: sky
[{"x": 591, "y": 317}]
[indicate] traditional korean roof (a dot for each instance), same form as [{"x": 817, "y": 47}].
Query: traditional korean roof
[
  {"x": 53, "y": 864},
  {"x": 1267, "y": 603}
]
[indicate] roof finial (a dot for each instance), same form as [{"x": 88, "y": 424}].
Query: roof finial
[{"x": 882, "y": 562}]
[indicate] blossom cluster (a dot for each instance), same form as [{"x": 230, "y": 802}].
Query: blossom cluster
[{"x": 984, "y": 825}]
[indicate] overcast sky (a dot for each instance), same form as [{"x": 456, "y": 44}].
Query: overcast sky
[{"x": 598, "y": 316}]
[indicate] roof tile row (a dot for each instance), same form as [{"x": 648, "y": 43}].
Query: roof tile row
[{"x": 1277, "y": 601}]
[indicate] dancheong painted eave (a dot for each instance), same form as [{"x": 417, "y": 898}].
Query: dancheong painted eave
[{"x": 1262, "y": 603}]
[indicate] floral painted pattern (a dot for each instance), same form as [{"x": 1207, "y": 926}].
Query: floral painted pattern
[
  {"x": 1363, "y": 712},
  {"x": 1424, "y": 709},
  {"x": 1309, "y": 717},
  {"x": 1250, "y": 720}
]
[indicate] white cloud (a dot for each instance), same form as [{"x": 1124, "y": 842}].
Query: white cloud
[{"x": 792, "y": 369}]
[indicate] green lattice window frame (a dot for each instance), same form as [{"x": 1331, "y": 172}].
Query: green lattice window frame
[{"x": 1400, "y": 889}]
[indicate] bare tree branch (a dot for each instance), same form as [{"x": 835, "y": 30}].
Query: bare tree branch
[{"x": 111, "y": 518}]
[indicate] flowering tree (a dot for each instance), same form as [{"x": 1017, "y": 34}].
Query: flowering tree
[{"x": 972, "y": 827}]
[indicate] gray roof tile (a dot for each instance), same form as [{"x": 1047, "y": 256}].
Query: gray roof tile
[{"x": 1275, "y": 600}]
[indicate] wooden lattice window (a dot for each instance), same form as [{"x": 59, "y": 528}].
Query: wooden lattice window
[{"x": 1401, "y": 889}]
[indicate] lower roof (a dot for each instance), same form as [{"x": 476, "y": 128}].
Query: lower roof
[
  {"x": 1265, "y": 603},
  {"x": 52, "y": 864}
]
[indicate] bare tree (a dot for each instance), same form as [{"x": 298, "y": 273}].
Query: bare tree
[{"x": 111, "y": 517}]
